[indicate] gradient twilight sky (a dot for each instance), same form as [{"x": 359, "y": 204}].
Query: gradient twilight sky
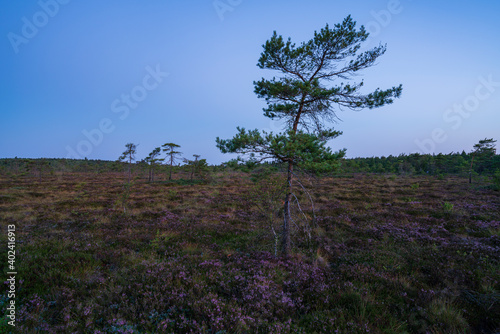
[{"x": 67, "y": 73}]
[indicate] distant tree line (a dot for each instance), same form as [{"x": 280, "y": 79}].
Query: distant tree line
[
  {"x": 412, "y": 164},
  {"x": 452, "y": 163},
  {"x": 483, "y": 160}
]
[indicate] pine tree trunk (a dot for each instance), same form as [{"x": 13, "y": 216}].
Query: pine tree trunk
[
  {"x": 170, "y": 174},
  {"x": 285, "y": 233}
]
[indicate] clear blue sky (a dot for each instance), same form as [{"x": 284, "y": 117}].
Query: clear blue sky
[{"x": 151, "y": 72}]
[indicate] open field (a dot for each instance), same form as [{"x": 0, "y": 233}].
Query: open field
[{"x": 387, "y": 255}]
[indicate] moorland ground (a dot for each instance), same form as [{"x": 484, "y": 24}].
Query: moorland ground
[{"x": 387, "y": 254}]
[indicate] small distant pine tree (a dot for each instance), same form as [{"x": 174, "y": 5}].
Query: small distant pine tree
[
  {"x": 152, "y": 159},
  {"x": 172, "y": 155},
  {"x": 129, "y": 156}
]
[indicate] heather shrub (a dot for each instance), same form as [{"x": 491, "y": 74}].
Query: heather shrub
[{"x": 199, "y": 258}]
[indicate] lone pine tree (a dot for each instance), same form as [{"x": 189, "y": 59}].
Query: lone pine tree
[{"x": 306, "y": 96}]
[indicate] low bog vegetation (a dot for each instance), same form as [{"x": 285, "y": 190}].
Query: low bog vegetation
[{"x": 386, "y": 255}]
